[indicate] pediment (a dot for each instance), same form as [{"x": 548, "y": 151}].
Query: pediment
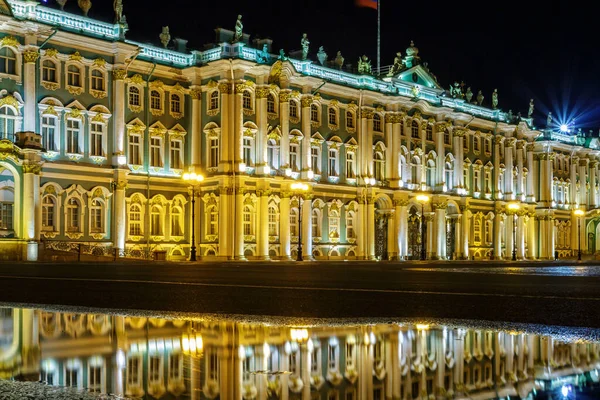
[{"x": 417, "y": 75}]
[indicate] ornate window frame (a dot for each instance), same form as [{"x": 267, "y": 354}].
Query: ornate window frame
[
  {"x": 74, "y": 232},
  {"x": 415, "y": 124},
  {"x": 212, "y": 96},
  {"x": 177, "y": 204},
  {"x": 351, "y": 210},
  {"x": 351, "y": 147},
  {"x": 377, "y": 123},
  {"x": 211, "y": 213},
  {"x": 135, "y": 82},
  {"x": 334, "y": 144},
  {"x": 248, "y": 102},
  {"x": 100, "y": 194},
  {"x": 315, "y": 114},
  {"x": 73, "y": 364},
  {"x": 99, "y": 65},
  {"x": 75, "y": 60},
  {"x": 177, "y": 134},
  {"x": 52, "y": 56},
  {"x": 294, "y": 104},
  {"x": 138, "y": 201},
  {"x": 316, "y": 214},
  {"x": 379, "y": 163},
  {"x": 135, "y": 128},
  {"x": 176, "y": 92},
  {"x": 99, "y": 115},
  {"x": 275, "y": 113},
  {"x": 212, "y": 132},
  {"x": 53, "y": 191},
  {"x": 13, "y": 44},
  {"x": 316, "y": 142},
  {"x": 334, "y": 221},
  {"x": 75, "y": 112},
  {"x": 333, "y": 111},
  {"x": 156, "y": 131},
  {"x": 157, "y": 86},
  {"x": 51, "y": 108}
]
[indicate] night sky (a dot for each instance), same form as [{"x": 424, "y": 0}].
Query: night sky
[{"x": 547, "y": 51}]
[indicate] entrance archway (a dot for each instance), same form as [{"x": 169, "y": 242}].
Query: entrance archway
[
  {"x": 414, "y": 234},
  {"x": 8, "y": 214}
]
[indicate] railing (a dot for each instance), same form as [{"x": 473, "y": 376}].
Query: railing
[
  {"x": 97, "y": 249},
  {"x": 164, "y": 55}
]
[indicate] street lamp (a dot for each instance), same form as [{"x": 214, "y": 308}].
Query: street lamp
[
  {"x": 514, "y": 207},
  {"x": 423, "y": 198},
  {"x": 193, "y": 179},
  {"x": 299, "y": 188},
  {"x": 579, "y": 213}
]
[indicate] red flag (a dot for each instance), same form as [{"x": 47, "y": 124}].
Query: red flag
[{"x": 367, "y": 3}]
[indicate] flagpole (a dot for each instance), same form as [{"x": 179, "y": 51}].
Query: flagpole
[{"x": 378, "y": 37}]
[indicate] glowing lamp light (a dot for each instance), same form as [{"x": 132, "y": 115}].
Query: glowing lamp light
[
  {"x": 121, "y": 160},
  {"x": 565, "y": 390},
  {"x": 299, "y": 187},
  {"x": 564, "y": 128},
  {"x": 311, "y": 174},
  {"x": 299, "y": 335},
  {"x": 242, "y": 167},
  {"x": 422, "y": 198},
  {"x": 513, "y": 206},
  {"x": 422, "y": 327},
  {"x": 267, "y": 170},
  {"x": 579, "y": 212},
  {"x": 288, "y": 172}
]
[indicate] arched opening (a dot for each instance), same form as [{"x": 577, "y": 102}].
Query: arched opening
[
  {"x": 7, "y": 203},
  {"x": 414, "y": 233}
]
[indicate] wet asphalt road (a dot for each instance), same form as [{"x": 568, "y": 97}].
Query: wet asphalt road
[{"x": 519, "y": 293}]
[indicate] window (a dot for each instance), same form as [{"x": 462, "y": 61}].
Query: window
[
  {"x": 477, "y": 230},
  {"x": 175, "y": 104},
  {"x": 247, "y": 100},
  {"x": 48, "y": 376},
  {"x": 134, "y": 96},
  {"x": 176, "y": 222},
  {"x": 350, "y": 165},
  {"x": 294, "y": 157},
  {"x": 488, "y": 146},
  {"x": 447, "y": 137},
  {"x": 273, "y": 154},
  {"x": 429, "y": 133},
  {"x": 293, "y": 109},
  {"x": 135, "y": 220},
  {"x": 213, "y": 218},
  {"x": 155, "y": 152},
  {"x": 294, "y": 222},
  {"x": 95, "y": 379},
  {"x": 97, "y": 133},
  {"x": 273, "y": 226},
  {"x": 247, "y": 221},
  {"x": 379, "y": 166},
  {"x": 133, "y": 371},
  {"x": 213, "y": 366},
  {"x": 48, "y": 214},
  {"x": 176, "y": 153},
  {"x": 49, "y": 71},
  {"x": 316, "y": 226},
  {"x": 349, "y": 120},
  {"x": 6, "y": 215},
  {"x": 71, "y": 375},
  {"x": 49, "y": 132},
  {"x": 154, "y": 369},
  {"x": 214, "y": 100},
  {"x": 155, "y": 100},
  {"x": 332, "y": 165},
  {"x": 247, "y": 147},
  {"x": 96, "y": 217},
  {"x": 334, "y": 224},
  {"x": 466, "y": 143},
  {"x": 314, "y": 113},
  {"x": 7, "y": 123},
  {"x": 73, "y": 127},
  {"x": 271, "y": 103},
  {"x": 350, "y": 354},
  {"x": 74, "y": 76},
  {"x": 414, "y": 129},
  {"x": 135, "y": 146},
  {"x": 332, "y": 357},
  {"x": 73, "y": 224},
  {"x": 314, "y": 160},
  {"x": 476, "y": 144},
  {"x": 350, "y": 232},
  {"x": 332, "y": 116},
  {"x": 377, "y": 123},
  {"x": 155, "y": 221},
  {"x": 98, "y": 80},
  {"x": 175, "y": 366},
  {"x": 8, "y": 61},
  {"x": 214, "y": 152}
]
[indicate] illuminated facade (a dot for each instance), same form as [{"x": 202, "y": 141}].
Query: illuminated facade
[
  {"x": 168, "y": 359},
  {"x": 98, "y": 131}
]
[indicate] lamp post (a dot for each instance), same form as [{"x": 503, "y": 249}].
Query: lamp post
[
  {"x": 579, "y": 213},
  {"x": 514, "y": 207},
  {"x": 193, "y": 179},
  {"x": 299, "y": 188},
  {"x": 423, "y": 198}
]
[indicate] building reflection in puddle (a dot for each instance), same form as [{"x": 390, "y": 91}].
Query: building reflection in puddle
[{"x": 168, "y": 359}]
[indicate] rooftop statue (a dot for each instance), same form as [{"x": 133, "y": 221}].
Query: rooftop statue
[
  {"x": 339, "y": 60},
  {"x": 480, "y": 98},
  {"x": 238, "y": 35},
  {"x": 549, "y": 119},
  {"x": 455, "y": 91},
  {"x": 469, "y": 94},
  {"x": 282, "y": 55},
  {"x": 61, "y": 3},
  {"x": 364, "y": 65},
  {"x": 165, "y": 36},
  {"x": 118, "y": 6},
  {"x": 322, "y": 56},
  {"x": 398, "y": 65},
  {"x": 263, "y": 56},
  {"x": 85, "y": 6},
  {"x": 305, "y": 45},
  {"x": 510, "y": 115},
  {"x": 531, "y": 107},
  {"x": 495, "y": 99}
]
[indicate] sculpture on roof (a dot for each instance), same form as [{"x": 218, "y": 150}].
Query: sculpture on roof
[
  {"x": 510, "y": 116},
  {"x": 531, "y": 107},
  {"x": 239, "y": 27},
  {"x": 495, "y": 99},
  {"x": 263, "y": 56},
  {"x": 455, "y": 91},
  {"x": 85, "y": 6},
  {"x": 61, "y": 3},
  {"x": 469, "y": 95},
  {"x": 480, "y": 98},
  {"x": 305, "y": 45},
  {"x": 282, "y": 55},
  {"x": 549, "y": 119},
  {"x": 322, "y": 56},
  {"x": 165, "y": 36},
  {"x": 118, "y": 7},
  {"x": 339, "y": 60},
  {"x": 398, "y": 65},
  {"x": 364, "y": 65}
]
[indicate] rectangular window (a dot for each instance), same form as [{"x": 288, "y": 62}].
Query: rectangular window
[
  {"x": 294, "y": 157},
  {"x": 135, "y": 150},
  {"x": 294, "y": 223},
  {"x": 332, "y": 359},
  {"x": 97, "y": 130},
  {"x": 466, "y": 143},
  {"x": 350, "y": 166},
  {"x": 73, "y": 127},
  {"x": 96, "y": 218},
  {"x": 332, "y": 171},
  {"x": 48, "y": 133},
  {"x": 213, "y": 366},
  {"x": 175, "y": 154},
  {"x": 95, "y": 379},
  {"x": 248, "y": 151},
  {"x": 314, "y": 159},
  {"x": 214, "y": 152},
  {"x": 133, "y": 371},
  {"x": 314, "y": 361},
  {"x": 154, "y": 369},
  {"x": 155, "y": 152},
  {"x": 71, "y": 375},
  {"x": 175, "y": 370},
  {"x": 6, "y": 216}
]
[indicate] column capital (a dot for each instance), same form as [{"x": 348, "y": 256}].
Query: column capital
[
  {"x": 498, "y": 139},
  {"x": 119, "y": 74},
  {"x": 459, "y": 132},
  {"x": 284, "y": 96},
  {"x": 545, "y": 156},
  {"x": 530, "y": 146},
  {"x": 401, "y": 203},
  {"x": 368, "y": 113},
  {"x": 224, "y": 88},
  {"x": 583, "y": 162},
  {"x": 593, "y": 164},
  {"x": 520, "y": 144},
  {"x": 263, "y": 192},
  {"x": 196, "y": 93},
  {"x": 509, "y": 142},
  {"x": 286, "y": 194},
  {"x": 35, "y": 169},
  {"x": 440, "y": 205},
  {"x": 262, "y": 92},
  {"x": 30, "y": 56},
  {"x": 306, "y": 101}
]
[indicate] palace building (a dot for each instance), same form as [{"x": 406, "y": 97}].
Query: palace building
[{"x": 97, "y": 132}]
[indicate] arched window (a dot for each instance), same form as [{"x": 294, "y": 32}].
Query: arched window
[
  {"x": 73, "y": 222},
  {"x": 97, "y": 216},
  {"x": 49, "y": 214},
  {"x": 316, "y": 223},
  {"x": 214, "y": 100},
  {"x": 476, "y": 144},
  {"x": 314, "y": 113},
  {"x": 273, "y": 153},
  {"x": 414, "y": 129},
  {"x": 213, "y": 221},
  {"x": 349, "y": 120},
  {"x": 98, "y": 80},
  {"x": 334, "y": 224},
  {"x": 8, "y": 61},
  {"x": 176, "y": 222},
  {"x": 247, "y": 100},
  {"x": 273, "y": 226},
  {"x": 379, "y": 161},
  {"x": 294, "y": 222},
  {"x": 271, "y": 103},
  {"x": 477, "y": 230},
  {"x": 134, "y": 96},
  {"x": 429, "y": 133},
  {"x": 155, "y": 221},
  {"x": 293, "y": 109},
  {"x": 155, "y": 100},
  {"x": 7, "y": 123},
  {"x": 135, "y": 220},
  {"x": 49, "y": 71},
  {"x": 332, "y": 116},
  {"x": 489, "y": 230},
  {"x": 74, "y": 76},
  {"x": 350, "y": 232},
  {"x": 377, "y": 123},
  {"x": 248, "y": 221},
  {"x": 175, "y": 103}
]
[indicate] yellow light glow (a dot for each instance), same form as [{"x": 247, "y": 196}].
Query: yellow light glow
[
  {"x": 579, "y": 212},
  {"x": 199, "y": 343},
  {"x": 299, "y": 335},
  {"x": 422, "y": 327},
  {"x": 298, "y": 186},
  {"x": 185, "y": 343},
  {"x": 513, "y": 206},
  {"x": 193, "y": 177},
  {"x": 423, "y": 198},
  {"x": 186, "y": 177}
]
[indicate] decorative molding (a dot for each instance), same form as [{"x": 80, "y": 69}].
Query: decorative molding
[
  {"x": 119, "y": 74},
  {"x": 52, "y": 86},
  {"x": 98, "y": 94},
  {"x": 9, "y": 41},
  {"x": 30, "y": 56},
  {"x": 196, "y": 94},
  {"x": 75, "y": 56}
]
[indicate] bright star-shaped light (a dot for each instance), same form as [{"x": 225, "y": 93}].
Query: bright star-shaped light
[{"x": 564, "y": 128}]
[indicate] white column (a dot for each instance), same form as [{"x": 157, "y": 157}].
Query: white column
[
  {"x": 530, "y": 174},
  {"x": 305, "y": 365},
  {"x": 225, "y": 231},
  {"x": 360, "y": 228},
  {"x": 119, "y": 207},
  {"x": 497, "y": 160},
  {"x": 261, "y": 136},
  {"x": 510, "y": 236},
  {"x": 370, "y": 228},
  {"x": 508, "y": 172},
  {"x": 284, "y": 226},
  {"x": 239, "y": 225},
  {"x": 262, "y": 238},
  {"x": 402, "y": 228},
  {"x": 196, "y": 137},
  {"x": 521, "y": 228},
  {"x": 440, "y": 230},
  {"x": 458, "y": 168},
  {"x": 261, "y": 379},
  {"x": 520, "y": 188},
  {"x": 391, "y": 162},
  {"x": 195, "y": 376},
  {"x": 284, "y": 118},
  {"x": 362, "y": 151},
  {"x": 238, "y": 123},
  {"x": 531, "y": 238},
  {"x": 392, "y": 242},
  {"x": 307, "y": 227},
  {"x": 466, "y": 225},
  {"x": 431, "y": 249},
  {"x": 497, "y": 237},
  {"x": 225, "y": 144},
  {"x": 30, "y": 57},
  {"x": 119, "y": 98},
  {"x": 307, "y": 132},
  {"x": 368, "y": 149},
  {"x": 583, "y": 197},
  {"x": 31, "y": 209},
  {"x": 593, "y": 195},
  {"x": 458, "y": 237},
  {"x": 438, "y": 133},
  {"x": 395, "y": 161}
]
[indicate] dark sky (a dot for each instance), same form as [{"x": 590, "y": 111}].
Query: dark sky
[{"x": 548, "y": 51}]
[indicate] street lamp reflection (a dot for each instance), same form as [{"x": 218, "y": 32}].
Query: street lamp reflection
[
  {"x": 191, "y": 344},
  {"x": 299, "y": 335},
  {"x": 193, "y": 179}
]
